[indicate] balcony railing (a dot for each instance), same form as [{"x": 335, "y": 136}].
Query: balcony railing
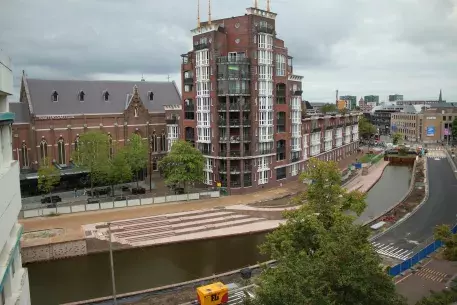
[
  {"x": 235, "y": 184},
  {"x": 235, "y": 139},
  {"x": 265, "y": 29},
  {"x": 201, "y": 46},
  {"x": 234, "y": 107},
  {"x": 235, "y": 153},
  {"x": 281, "y": 149},
  {"x": 233, "y": 91},
  {"x": 205, "y": 151},
  {"x": 265, "y": 151},
  {"x": 223, "y": 153},
  {"x": 188, "y": 81},
  {"x": 235, "y": 169},
  {"x": 222, "y": 122},
  {"x": 234, "y": 75},
  {"x": 234, "y": 122},
  {"x": 246, "y": 107},
  {"x": 246, "y": 122},
  {"x": 316, "y": 129},
  {"x": 223, "y": 139},
  {"x": 222, "y": 107},
  {"x": 294, "y": 159},
  {"x": 232, "y": 60},
  {"x": 246, "y": 138},
  {"x": 297, "y": 92}
]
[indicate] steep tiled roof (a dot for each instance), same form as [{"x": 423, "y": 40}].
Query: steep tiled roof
[
  {"x": 165, "y": 93},
  {"x": 21, "y": 111}
]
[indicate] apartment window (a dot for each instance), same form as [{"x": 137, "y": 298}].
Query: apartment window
[
  {"x": 281, "y": 173},
  {"x": 280, "y": 65},
  {"x": 281, "y": 122},
  {"x": 81, "y": 96},
  {"x": 24, "y": 155},
  {"x": 61, "y": 151},
  {"x": 43, "y": 149},
  {"x": 55, "y": 96},
  {"x": 263, "y": 177},
  {"x": 280, "y": 150},
  {"x": 187, "y": 88}
]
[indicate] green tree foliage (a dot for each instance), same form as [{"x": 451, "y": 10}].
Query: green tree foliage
[
  {"x": 454, "y": 129},
  {"x": 93, "y": 155},
  {"x": 48, "y": 176},
  {"x": 443, "y": 233},
  {"x": 117, "y": 169},
  {"x": 366, "y": 129},
  {"x": 327, "y": 108},
  {"x": 137, "y": 154},
  {"x": 445, "y": 297},
  {"x": 396, "y": 138},
  {"x": 323, "y": 257},
  {"x": 183, "y": 165}
]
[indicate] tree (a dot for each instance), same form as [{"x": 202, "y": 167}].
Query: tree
[
  {"x": 323, "y": 257},
  {"x": 396, "y": 138},
  {"x": 137, "y": 155},
  {"x": 117, "y": 169},
  {"x": 93, "y": 155},
  {"x": 445, "y": 297},
  {"x": 48, "y": 176},
  {"x": 328, "y": 108},
  {"x": 454, "y": 129},
  {"x": 443, "y": 233},
  {"x": 184, "y": 164},
  {"x": 366, "y": 129}
]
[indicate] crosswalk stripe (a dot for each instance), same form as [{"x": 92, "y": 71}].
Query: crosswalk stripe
[{"x": 392, "y": 251}]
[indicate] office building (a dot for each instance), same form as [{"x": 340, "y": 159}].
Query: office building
[
  {"x": 371, "y": 99},
  {"x": 351, "y": 101},
  {"x": 395, "y": 97}
]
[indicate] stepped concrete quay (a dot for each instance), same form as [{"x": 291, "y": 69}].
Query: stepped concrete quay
[{"x": 63, "y": 236}]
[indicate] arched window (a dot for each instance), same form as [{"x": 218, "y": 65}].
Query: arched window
[
  {"x": 43, "y": 149},
  {"x": 61, "y": 151},
  {"x": 135, "y": 111},
  {"x": 111, "y": 148},
  {"x": 24, "y": 155},
  {"x": 55, "y": 96}
]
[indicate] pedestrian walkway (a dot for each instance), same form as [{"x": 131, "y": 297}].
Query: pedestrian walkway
[
  {"x": 433, "y": 275},
  {"x": 392, "y": 251},
  {"x": 436, "y": 154},
  {"x": 365, "y": 183}
]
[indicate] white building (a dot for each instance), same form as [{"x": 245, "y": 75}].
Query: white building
[{"x": 14, "y": 280}]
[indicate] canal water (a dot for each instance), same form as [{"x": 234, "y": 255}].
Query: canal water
[{"x": 87, "y": 277}]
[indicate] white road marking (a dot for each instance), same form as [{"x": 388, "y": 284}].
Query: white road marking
[{"x": 392, "y": 251}]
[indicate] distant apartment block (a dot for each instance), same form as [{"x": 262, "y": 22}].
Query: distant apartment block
[
  {"x": 351, "y": 101},
  {"x": 395, "y": 97},
  {"x": 371, "y": 99}
]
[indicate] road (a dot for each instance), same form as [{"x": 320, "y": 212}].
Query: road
[{"x": 440, "y": 208}]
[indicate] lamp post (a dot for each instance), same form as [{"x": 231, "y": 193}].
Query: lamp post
[{"x": 113, "y": 281}]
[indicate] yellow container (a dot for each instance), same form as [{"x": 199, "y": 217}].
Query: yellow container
[{"x": 212, "y": 294}]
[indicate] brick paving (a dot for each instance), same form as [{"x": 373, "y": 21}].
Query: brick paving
[{"x": 71, "y": 223}]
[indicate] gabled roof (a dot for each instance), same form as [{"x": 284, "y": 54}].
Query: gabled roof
[
  {"x": 21, "y": 110},
  {"x": 165, "y": 93}
]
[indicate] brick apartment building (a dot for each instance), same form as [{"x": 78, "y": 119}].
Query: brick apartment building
[
  {"x": 242, "y": 106},
  {"x": 52, "y": 114}
]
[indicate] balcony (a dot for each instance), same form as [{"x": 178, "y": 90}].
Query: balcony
[
  {"x": 297, "y": 92},
  {"x": 247, "y": 182},
  {"x": 246, "y": 138},
  {"x": 246, "y": 122},
  {"x": 246, "y": 107},
  {"x": 294, "y": 159},
  {"x": 188, "y": 81},
  {"x": 189, "y": 108},
  {"x": 223, "y": 153},
  {"x": 234, "y": 75},
  {"x": 235, "y": 184},
  {"x": 316, "y": 129},
  {"x": 201, "y": 46},
  {"x": 6, "y": 118},
  {"x": 205, "y": 151},
  {"x": 234, "y": 122},
  {"x": 171, "y": 121},
  {"x": 265, "y": 29},
  {"x": 232, "y": 60},
  {"x": 280, "y": 150},
  {"x": 247, "y": 153},
  {"x": 235, "y": 153},
  {"x": 280, "y": 100},
  {"x": 222, "y": 122},
  {"x": 222, "y": 107},
  {"x": 235, "y": 139},
  {"x": 233, "y": 92},
  {"x": 235, "y": 169},
  {"x": 247, "y": 168},
  {"x": 223, "y": 139},
  {"x": 234, "y": 107},
  {"x": 280, "y": 122}
]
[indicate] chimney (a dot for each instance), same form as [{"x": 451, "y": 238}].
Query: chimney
[{"x": 209, "y": 11}]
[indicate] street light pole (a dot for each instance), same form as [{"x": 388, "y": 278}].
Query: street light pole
[
  {"x": 150, "y": 167},
  {"x": 113, "y": 281}
]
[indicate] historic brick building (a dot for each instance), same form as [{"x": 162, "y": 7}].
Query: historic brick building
[
  {"x": 52, "y": 114},
  {"x": 242, "y": 106}
]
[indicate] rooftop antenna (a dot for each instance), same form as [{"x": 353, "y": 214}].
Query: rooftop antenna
[
  {"x": 256, "y": 4},
  {"x": 268, "y": 5},
  {"x": 209, "y": 12},
  {"x": 198, "y": 13}
]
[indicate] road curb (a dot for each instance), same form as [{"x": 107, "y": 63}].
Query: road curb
[{"x": 375, "y": 237}]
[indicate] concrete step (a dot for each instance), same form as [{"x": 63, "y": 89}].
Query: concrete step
[
  {"x": 143, "y": 232},
  {"x": 150, "y": 237},
  {"x": 138, "y": 220}
]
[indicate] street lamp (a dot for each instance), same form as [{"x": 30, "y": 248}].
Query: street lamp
[{"x": 113, "y": 281}]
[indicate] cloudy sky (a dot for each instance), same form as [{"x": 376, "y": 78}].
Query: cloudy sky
[{"x": 360, "y": 47}]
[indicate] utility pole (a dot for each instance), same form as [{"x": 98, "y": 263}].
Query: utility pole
[{"x": 113, "y": 281}]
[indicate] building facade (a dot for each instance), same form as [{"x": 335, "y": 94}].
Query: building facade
[
  {"x": 242, "y": 106},
  {"x": 395, "y": 97},
  {"x": 420, "y": 102},
  {"x": 52, "y": 114},
  {"x": 14, "y": 281},
  {"x": 380, "y": 117},
  {"x": 371, "y": 99},
  {"x": 351, "y": 101}
]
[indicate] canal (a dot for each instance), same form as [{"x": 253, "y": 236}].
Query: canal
[{"x": 87, "y": 277}]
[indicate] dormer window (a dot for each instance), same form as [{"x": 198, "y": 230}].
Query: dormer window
[
  {"x": 135, "y": 111},
  {"x": 81, "y": 96},
  {"x": 106, "y": 96},
  {"x": 55, "y": 96},
  {"x": 151, "y": 96}
]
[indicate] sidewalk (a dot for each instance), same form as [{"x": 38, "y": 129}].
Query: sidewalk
[{"x": 71, "y": 223}]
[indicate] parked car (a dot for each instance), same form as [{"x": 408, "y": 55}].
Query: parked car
[
  {"x": 51, "y": 199},
  {"x": 125, "y": 188}
]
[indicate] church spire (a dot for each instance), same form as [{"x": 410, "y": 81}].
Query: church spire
[{"x": 440, "y": 99}]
